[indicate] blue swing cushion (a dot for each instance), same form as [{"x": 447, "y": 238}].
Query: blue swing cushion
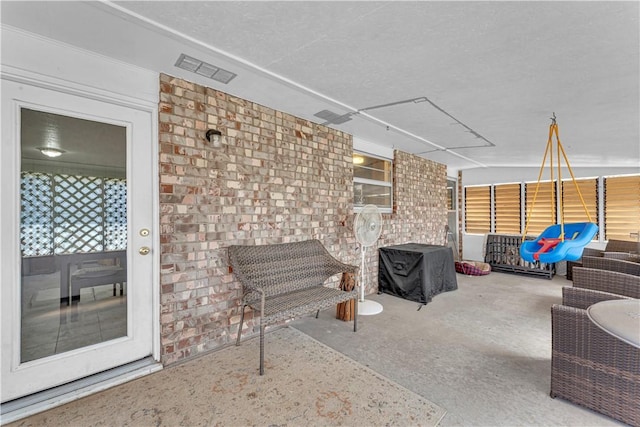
[{"x": 577, "y": 236}]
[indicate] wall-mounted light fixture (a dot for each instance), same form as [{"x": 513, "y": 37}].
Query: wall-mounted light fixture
[
  {"x": 50, "y": 151},
  {"x": 358, "y": 160},
  {"x": 214, "y": 137}
]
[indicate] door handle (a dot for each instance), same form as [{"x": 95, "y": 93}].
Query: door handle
[{"x": 144, "y": 250}]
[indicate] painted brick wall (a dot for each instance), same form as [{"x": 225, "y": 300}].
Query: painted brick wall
[{"x": 276, "y": 178}]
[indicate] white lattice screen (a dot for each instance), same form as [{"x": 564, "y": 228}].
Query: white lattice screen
[
  {"x": 70, "y": 213},
  {"x": 36, "y": 214},
  {"x": 115, "y": 214}
]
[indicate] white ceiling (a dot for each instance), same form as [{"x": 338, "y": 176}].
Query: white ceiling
[
  {"x": 89, "y": 143},
  {"x": 490, "y": 73}
]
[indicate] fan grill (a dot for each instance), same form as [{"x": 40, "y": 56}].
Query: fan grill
[{"x": 368, "y": 225}]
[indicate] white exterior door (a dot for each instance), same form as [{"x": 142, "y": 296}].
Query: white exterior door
[{"x": 76, "y": 236}]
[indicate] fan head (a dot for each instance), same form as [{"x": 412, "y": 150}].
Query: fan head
[{"x": 368, "y": 225}]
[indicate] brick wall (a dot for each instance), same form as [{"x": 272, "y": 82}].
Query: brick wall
[
  {"x": 276, "y": 178},
  {"x": 420, "y": 201}
]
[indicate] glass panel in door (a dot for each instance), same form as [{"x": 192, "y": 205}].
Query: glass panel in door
[{"x": 73, "y": 233}]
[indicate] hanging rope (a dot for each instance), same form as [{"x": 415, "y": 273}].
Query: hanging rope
[
  {"x": 575, "y": 183},
  {"x": 553, "y": 130},
  {"x": 547, "y": 150},
  {"x": 554, "y": 125}
]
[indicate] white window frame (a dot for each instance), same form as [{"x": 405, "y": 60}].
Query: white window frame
[{"x": 365, "y": 181}]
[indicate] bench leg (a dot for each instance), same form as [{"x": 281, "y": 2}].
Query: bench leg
[
  {"x": 240, "y": 327},
  {"x": 355, "y": 315},
  {"x": 261, "y": 348},
  {"x": 317, "y": 313}
]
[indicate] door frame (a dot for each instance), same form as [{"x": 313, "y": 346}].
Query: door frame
[{"x": 10, "y": 191}]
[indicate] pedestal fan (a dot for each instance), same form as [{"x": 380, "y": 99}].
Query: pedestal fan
[{"x": 368, "y": 226}]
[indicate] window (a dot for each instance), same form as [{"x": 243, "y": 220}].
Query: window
[
  {"x": 542, "y": 213},
  {"x": 372, "y": 184},
  {"x": 507, "y": 208},
  {"x": 622, "y": 207},
  {"x": 451, "y": 195},
  {"x": 617, "y": 196},
  {"x": 72, "y": 213},
  {"x": 573, "y": 209},
  {"x": 36, "y": 214},
  {"x": 477, "y": 213}
]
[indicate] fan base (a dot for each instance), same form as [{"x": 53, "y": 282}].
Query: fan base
[{"x": 368, "y": 308}]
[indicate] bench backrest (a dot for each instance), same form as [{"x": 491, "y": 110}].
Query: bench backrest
[
  {"x": 622, "y": 246},
  {"x": 283, "y": 267},
  {"x": 607, "y": 281},
  {"x": 612, "y": 264}
]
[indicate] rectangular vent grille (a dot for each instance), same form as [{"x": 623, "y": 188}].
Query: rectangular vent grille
[
  {"x": 197, "y": 66},
  {"x": 333, "y": 118}
]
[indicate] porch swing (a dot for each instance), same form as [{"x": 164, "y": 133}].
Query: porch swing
[{"x": 558, "y": 242}]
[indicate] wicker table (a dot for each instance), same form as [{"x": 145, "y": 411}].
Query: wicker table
[{"x": 620, "y": 318}]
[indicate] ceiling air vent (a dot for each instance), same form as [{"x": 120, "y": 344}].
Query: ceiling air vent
[
  {"x": 194, "y": 65},
  {"x": 333, "y": 118}
]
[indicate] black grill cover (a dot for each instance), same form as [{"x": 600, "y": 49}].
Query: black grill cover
[{"x": 416, "y": 271}]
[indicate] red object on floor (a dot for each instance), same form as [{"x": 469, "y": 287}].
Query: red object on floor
[
  {"x": 473, "y": 268},
  {"x": 547, "y": 244}
]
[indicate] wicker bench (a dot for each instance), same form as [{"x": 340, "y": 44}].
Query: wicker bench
[{"x": 286, "y": 280}]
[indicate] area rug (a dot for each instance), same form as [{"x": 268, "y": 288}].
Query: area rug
[{"x": 306, "y": 383}]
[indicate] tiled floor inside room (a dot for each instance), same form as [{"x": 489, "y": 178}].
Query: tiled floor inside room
[{"x": 49, "y": 327}]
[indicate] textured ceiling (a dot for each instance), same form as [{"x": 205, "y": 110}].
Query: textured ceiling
[{"x": 492, "y": 73}]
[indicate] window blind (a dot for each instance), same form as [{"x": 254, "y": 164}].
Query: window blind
[
  {"x": 507, "y": 208},
  {"x": 571, "y": 204},
  {"x": 622, "y": 207},
  {"x": 477, "y": 209},
  {"x": 543, "y": 213}
]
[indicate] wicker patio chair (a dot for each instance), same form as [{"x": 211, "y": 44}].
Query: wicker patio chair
[
  {"x": 612, "y": 264},
  {"x": 607, "y": 281},
  {"x": 589, "y": 367},
  {"x": 623, "y": 256},
  {"x": 633, "y": 258},
  {"x": 614, "y": 249},
  {"x": 622, "y": 246},
  {"x": 619, "y": 255},
  {"x": 583, "y": 298}
]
